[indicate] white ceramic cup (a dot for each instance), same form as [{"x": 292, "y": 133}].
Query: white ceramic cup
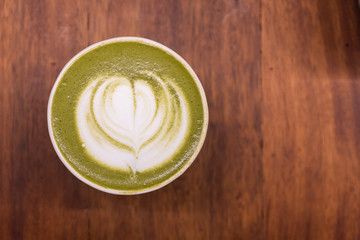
[{"x": 147, "y": 42}]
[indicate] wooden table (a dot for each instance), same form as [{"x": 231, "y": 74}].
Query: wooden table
[{"x": 282, "y": 155}]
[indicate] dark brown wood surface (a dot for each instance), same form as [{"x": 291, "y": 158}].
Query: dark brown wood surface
[{"x": 282, "y": 155}]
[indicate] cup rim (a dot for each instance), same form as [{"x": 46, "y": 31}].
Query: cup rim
[{"x": 150, "y": 43}]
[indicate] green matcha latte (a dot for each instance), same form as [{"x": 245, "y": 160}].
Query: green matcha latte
[{"x": 127, "y": 115}]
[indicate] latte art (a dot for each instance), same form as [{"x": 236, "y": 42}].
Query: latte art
[
  {"x": 127, "y": 115},
  {"x": 132, "y": 125}
]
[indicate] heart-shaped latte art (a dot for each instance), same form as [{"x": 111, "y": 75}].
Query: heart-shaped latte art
[{"x": 132, "y": 124}]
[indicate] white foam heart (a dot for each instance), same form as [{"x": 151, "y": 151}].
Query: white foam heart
[{"x": 128, "y": 124}]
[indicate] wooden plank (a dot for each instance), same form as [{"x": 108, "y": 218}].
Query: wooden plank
[{"x": 311, "y": 94}]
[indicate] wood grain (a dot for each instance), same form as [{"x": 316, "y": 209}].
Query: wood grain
[
  {"x": 311, "y": 119},
  {"x": 282, "y": 155}
]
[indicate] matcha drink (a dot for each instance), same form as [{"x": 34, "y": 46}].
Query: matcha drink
[{"x": 127, "y": 115}]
